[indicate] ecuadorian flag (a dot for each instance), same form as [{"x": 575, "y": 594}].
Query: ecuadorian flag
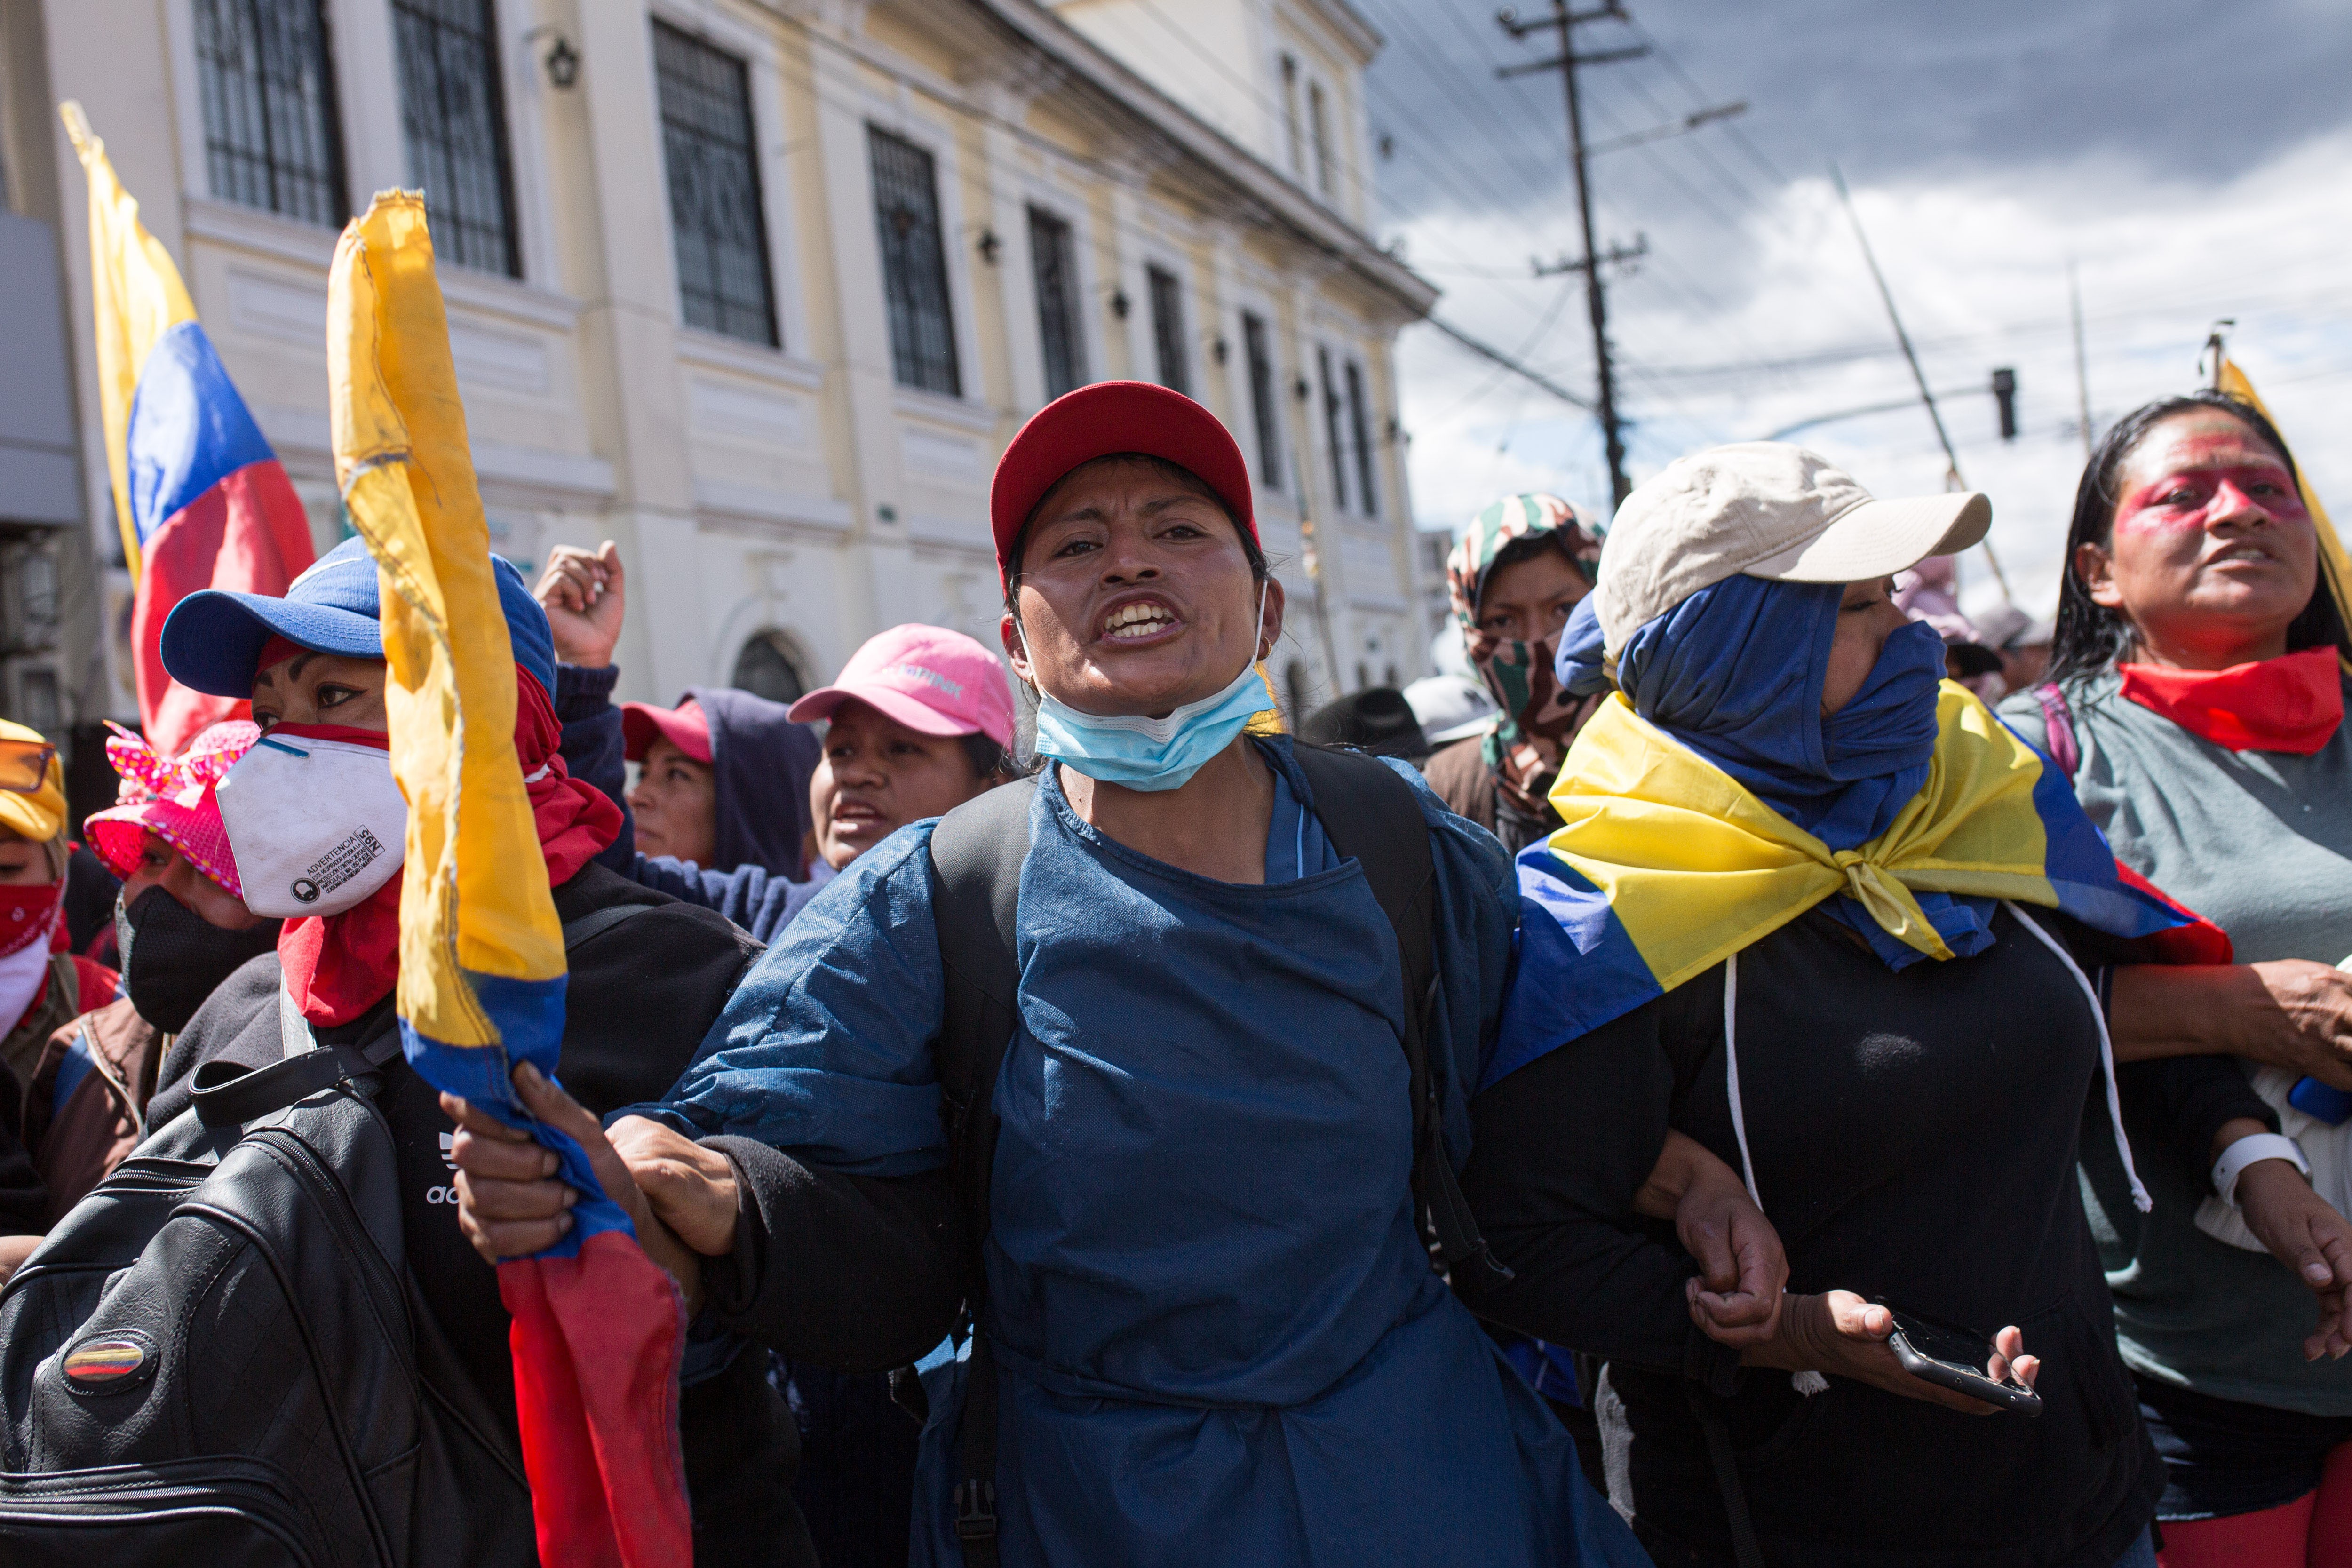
[
  {"x": 202, "y": 499},
  {"x": 1664, "y": 865},
  {"x": 598, "y": 1326}
]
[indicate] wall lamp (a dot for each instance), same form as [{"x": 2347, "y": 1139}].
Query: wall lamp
[{"x": 562, "y": 60}]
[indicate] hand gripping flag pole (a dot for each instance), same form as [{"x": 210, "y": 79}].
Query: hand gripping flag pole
[{"x": 598, "y": 1326}]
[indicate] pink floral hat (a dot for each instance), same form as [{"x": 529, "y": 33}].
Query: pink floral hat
[{"x": 171, "y": 797}]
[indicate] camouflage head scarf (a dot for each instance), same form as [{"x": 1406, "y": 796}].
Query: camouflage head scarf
[{"x": 1538, "y": 720}]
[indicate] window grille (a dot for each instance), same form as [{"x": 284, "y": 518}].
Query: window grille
[
  {"x": 271, "y": 138},
  {"x": 1331, "y": 432},
  {"x": 1055, "y": 260},
  {"x": 1262, "y": 407},
  {"x": 914, "y": 265},
  {"x": 454, "y": 111},
  {"x": 718, "y": 225},
  {"x": 1367, "y": 493},
  {"x": 1168, "y": 329}
]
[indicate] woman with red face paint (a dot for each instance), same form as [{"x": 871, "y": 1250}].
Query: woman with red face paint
[{"x": 2197, "y": 702}]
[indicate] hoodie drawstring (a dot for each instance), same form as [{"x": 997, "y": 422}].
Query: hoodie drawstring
[{"x": 2140, "y": 1199}]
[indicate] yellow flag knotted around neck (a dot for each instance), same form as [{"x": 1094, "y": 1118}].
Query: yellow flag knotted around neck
[{"x": 1697, "y": 867}]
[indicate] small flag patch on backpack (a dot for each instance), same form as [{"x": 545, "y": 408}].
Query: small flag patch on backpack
[{"x": 106, "y": 1362}]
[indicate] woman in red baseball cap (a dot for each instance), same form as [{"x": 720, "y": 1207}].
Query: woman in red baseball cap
[{"x": 1208, "y": 1328}]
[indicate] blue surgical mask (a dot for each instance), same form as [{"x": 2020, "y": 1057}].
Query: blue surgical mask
[{"x": 1153, "y": 753}]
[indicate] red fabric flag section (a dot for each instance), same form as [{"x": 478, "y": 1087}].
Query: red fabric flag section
[{"x": 597, "y": 1339}]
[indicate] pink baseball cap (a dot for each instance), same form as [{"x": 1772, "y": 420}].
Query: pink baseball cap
[
  {"x": 932, "y": 681},
  {"x": 171, "y": 797},
  {"x": 684, "y": 726}
]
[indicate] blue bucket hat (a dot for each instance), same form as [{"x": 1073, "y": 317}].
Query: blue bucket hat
[{"x": 212, "y": 639}]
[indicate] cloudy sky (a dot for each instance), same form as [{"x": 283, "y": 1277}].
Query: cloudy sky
[{"x": 2190, "y": 161}]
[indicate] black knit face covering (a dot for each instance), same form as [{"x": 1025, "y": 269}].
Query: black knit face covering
[{"x": 173, "y": 958}]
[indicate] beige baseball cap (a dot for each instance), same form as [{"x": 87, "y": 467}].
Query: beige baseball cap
[{"x": 1766, "y": 510}]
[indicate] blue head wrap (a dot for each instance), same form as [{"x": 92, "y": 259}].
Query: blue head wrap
[
  {"x": 1579, "y": 666},
  {"x": 1735, "y": 672}
]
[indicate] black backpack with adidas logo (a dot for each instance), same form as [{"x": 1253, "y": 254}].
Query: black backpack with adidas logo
[{"x": 220, "y": 1357}]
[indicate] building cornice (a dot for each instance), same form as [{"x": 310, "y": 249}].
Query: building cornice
[
  {"x": 1213, "y": 155},
  {"x": 1354, "y": 31}
]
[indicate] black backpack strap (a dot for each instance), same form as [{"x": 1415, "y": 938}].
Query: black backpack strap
[
  {"x": 976, "y": 853},
  {"x": 226, "y": 1094},
  {"x": 596, "y": 922},
  {"x": 1373, "y": 816}
]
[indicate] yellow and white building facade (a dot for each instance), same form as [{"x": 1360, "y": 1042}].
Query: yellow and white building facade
[{"x": 760, "y": 288}]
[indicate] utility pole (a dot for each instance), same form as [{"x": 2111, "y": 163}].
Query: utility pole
[
  {"x": 1564, "y": 22},
  {"x": 2217, "y": 349},
  {"x": 2082, "y": 360},
  {"x": 1951, "y": 457}
]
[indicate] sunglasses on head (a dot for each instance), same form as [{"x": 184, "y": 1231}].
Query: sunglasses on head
[{"x": 25, "y": 765}]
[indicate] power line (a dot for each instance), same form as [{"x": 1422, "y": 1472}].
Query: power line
[
  {"x": 1509, "y": 363},
  {"x": 1470, "y": 91},
  {"x": 1700, "y": 95},
  {"x": 1551, "y": 314}
]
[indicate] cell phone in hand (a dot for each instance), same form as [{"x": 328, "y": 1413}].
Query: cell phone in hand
[{"x": 1955, "y": 1359}]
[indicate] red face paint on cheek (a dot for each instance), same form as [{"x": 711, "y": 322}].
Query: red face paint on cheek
[{"x": 2148, "y": 510}]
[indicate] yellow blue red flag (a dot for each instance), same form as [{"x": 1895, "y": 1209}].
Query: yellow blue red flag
[
  {"x": 1666, "y": 865},
  {"x": 202, "y": 499},
  {"x": 597, "y": 1326}
]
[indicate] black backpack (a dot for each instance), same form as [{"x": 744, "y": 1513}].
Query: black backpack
[
  {"x": 1371, "y": 815},
  {"x": 220, "y": 1356}
]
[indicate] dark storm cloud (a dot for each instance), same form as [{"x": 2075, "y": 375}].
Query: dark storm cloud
[{"x": 1892, "y": 89}]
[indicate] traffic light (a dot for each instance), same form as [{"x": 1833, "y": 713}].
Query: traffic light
[{"x": 2004, "y": 392}]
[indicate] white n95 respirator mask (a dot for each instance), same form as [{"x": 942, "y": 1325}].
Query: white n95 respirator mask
[{"x": 315, "y": 820}]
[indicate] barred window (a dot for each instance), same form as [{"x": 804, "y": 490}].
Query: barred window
[
  {"x": 914, "y": 265},
  {"x": 1368, "y": 495},
  {"x": 455, "y": 114},
  {"x": 1168, "y": 329},
  {"x": 1055, "y": 260},
  {"x": 718, "y": 226},
  {"x": 1262, "y": 407},
  {"x": 1331, "y": 431},
  {"x": 271, "y": 138}
]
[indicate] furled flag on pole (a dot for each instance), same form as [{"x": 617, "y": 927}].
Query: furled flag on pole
[
  {"x": 2332, "y": 558},
  {"x": 202, "y": 500},
  {"x": 598, "y": 1326}
]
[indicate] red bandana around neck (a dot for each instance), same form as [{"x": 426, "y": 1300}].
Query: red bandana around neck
[
  {"x": 339, "y": 967},
  {"x": 2294, "y": 703}
]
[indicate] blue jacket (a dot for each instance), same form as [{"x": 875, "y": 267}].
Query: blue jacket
[{"x": 1217, "y": 1332}]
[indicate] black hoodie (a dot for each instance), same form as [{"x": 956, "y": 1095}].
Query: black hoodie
[{"x": 760, "y": 765}]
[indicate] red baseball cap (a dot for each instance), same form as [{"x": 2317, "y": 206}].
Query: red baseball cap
[
  {"x": 1102, "y": 421},
  {"x": 683, "y": 726}
]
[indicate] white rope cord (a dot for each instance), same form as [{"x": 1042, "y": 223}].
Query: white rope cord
[
  {"x": 1805, "y": 1382},
  {"x": 2140, "y": 1199},
  {"x": 1731, "y": 1075}
]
